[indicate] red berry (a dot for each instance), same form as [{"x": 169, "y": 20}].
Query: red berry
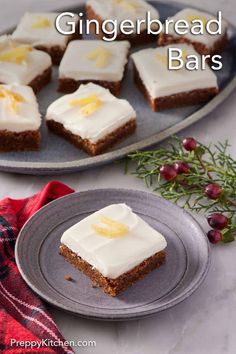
[
  {"x": 217, "y": 221},
  {"x": 168, "y": 172},
  {"x": 213, "y": 191},
  {"x": 189, "y": 144},
  {"x": 181, "y": 167},
  {"x": 214, "y": 236}
]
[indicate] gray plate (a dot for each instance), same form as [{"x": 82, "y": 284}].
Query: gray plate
[
  {"x": 57, "y": 156},
  {"x": 44, "y": 269}
]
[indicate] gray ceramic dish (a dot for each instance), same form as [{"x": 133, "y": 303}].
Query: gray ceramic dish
[
  {"x": 44, "y": 269},
  {"x": 57, "y": 156}
]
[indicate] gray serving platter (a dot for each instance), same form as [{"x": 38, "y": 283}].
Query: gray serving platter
[
  {"x": 58, "y": 156},
  {"x": 44, "y": 269}
]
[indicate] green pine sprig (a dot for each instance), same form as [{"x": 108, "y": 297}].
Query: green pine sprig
[{"x": 208, "y": 164}]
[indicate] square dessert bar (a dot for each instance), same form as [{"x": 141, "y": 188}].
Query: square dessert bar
[
  {"x": 203, "y": 43},
  {"x": 119, "y": 10},
  {"x": 21, "y": 64},
  {"x": 20, "y": 119},
  {"x": 166, "y": 89},
  {"x": 114, "y": 247},
  {"x": 91, "y": 118},
  {"x": 95, "y": 61},
  {"x": 39, "y": 30}
]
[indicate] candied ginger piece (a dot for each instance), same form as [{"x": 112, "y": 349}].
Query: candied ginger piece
[
  {"x": 127, "y": 5},
  {"x": 101, "y": 56},
  {"x": 89, "y": 105},
  {"x": 203, "y": 19},
  {"x": 16, "y": 55},
  {"x": 113, "y": 228},
  {"x": 41, "y": 22},
  {"x": 14, "y": 98}
]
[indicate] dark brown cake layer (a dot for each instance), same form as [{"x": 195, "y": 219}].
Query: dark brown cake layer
[
  {"x": 219, "y": 46},
  {"x": 70, "y": 85},
  {"x": 134, "y": 40},
  {"x": 102, "y": 145},
  {"x": 183, "y": 99},
  {"x": 24, "y": 141},
  {"x": 55, "y": 52},
  {"x": 113, "y": 287},
  {"x": 41, "y": 80}
]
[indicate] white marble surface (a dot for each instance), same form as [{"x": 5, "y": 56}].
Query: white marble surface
[{"x": 205, "y": 323}]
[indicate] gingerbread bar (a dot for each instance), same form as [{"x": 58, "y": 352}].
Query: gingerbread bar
[
  {"x": 118, "y": 10},
  {"x": 91, "y": 118},
  {"x": 93, "y": 61},
  {"x": 39, "y": 31},
  {"x": 20, "y": 119},
  {"x": 114, "y": 247},
  {"x": 22, "y": 64},
  {"x": 166, "y": 89},
  {"x": 204, "y": 44}
]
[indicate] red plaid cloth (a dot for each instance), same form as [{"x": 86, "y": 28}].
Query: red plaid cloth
[{"x": 22, "y": 314}]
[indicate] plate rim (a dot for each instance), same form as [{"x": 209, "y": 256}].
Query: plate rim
[
  {"x": 123, "y": 316},
  {"x": 48, "y": 168}
]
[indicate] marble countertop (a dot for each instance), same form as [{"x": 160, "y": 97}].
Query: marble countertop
[{"x": 203, "y": 324}]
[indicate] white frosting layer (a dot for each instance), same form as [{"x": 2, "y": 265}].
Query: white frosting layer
[
  {"x": 77, "y": 65},
  {"x": 205, "y": 38},
  {"x": 116, "y": 256},
  {"x": 46, "y": 36},
  {"x": 13, "y": 73},
  {"x": 113, "y": 113},
  {"x": 26, "y": 117},
  {"x": 161, "y": 82},
  {"x": 113, "y": 10}
]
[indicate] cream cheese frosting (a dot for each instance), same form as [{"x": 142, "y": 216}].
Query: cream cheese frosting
[
  {"x": 189, "y": 14},
  {"x": 114, "y": 256},
  {"x": 91, "y": 112},
  {"x": 38, "y": 29},
  {"x": 119, "y": 10},
  {"x": 94, "y": 60},
  {"x": 19, "y": 109},
  {"x": 160, "y": 81},
  {"x": 20, "y": 63}
]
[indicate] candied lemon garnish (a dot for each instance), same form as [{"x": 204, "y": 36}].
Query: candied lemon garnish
[
  {"x": 175, "y": 63},
  {"x": 41, "y": 22},
  {"x": 83, "y": 101},
  {"x": 113, "y": 228},
  {"x": 127, "y": 5},
  {"x": 184, "y": 54},
  {"x": 101, "y": 56},
  {"x": 13, "y": 98},
  {"x": 16, "y": 55},
  {"x": 203, "y": 19},
  {"x": 91, "y": 108},
  {"x": 89, "y": 104}
]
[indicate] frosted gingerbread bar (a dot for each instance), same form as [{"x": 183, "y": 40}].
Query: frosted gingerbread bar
[
  {"x": 204, "y": 44},
  {"x": 96, "y": 61},
  {"x": 39, "y": 30},
  {"x": 20, "y": 119},
  {"x": 91, "y": 118},
  {"x": 114, "y": 247},
  {"x": 119, "y": 10},
  {"x": 164, "y": 88},
  {"x": 22, "y": 64}
]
